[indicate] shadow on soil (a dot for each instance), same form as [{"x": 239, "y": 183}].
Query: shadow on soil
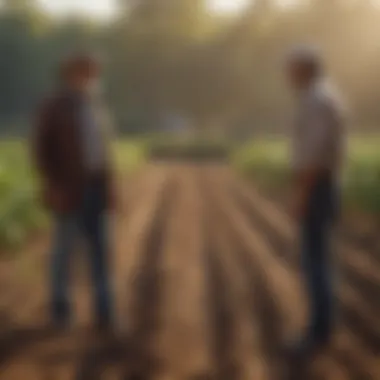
[
  {"x": 220, "y": 313},
  {"x": 89, "y": 355}
]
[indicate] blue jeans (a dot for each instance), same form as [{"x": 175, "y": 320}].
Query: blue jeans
[
  {"x": 90, "y": 222},
  {"x": 317, "y": 256}
]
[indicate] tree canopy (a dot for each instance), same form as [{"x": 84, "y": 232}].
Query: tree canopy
[{"x": 164, "y": 55}]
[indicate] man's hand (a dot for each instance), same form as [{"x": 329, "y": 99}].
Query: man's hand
[
  {"x": 115, "y": 202},
  {"x": 298, "y": 207},
  {"x": 300, "y": 202},
  {"x": 304, "y": 184},
  {"x": 56, "y": 199}
]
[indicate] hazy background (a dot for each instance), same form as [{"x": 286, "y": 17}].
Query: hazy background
[
  {"x": 216, "y": 62},
  {"x": 204, "y": 263}
]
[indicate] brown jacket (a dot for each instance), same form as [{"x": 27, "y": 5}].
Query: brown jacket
[{"x": 58, "y": 153}]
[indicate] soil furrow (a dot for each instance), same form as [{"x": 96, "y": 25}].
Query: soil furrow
[
  {"x": 267, "y": 307},
  {"x": 237, "y": 349},
  {"x": 356, "y": 318},
  {"x": 182, "y": 342},
  {"x": 145, "y": 287},
  {"x": 359, "y": 319},
  {"x": 141, "y": 232},
  {"x": 207, "y": 285},
  {"x": 40, "y": 349},
  {"x": 361, "y": 353},
  {"x": 285, "y": 289},
  {"x": 358, "y": 267}
]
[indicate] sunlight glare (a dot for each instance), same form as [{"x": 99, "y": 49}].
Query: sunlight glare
[
  {"x": 97, "y": 8},
  {"x": 228, "y": 6}
]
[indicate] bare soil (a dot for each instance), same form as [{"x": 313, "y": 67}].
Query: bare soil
[{"x": 207, "y": 284}]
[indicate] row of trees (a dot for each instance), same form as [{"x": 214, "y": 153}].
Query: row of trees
[
  {"x": 164, "y": 55},
  {"x": 30, "y": 45}
]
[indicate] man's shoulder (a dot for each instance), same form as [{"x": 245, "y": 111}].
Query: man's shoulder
[
  {"x": 52, "y": 101},
  {"x": 327, "y": 95},
  {"x": 61, "y": 102},
  {"x": 56, "y": 109},
  {"x": 325, "y": 99}
]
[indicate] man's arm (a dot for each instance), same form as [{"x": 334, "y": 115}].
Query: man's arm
[
  {"x": 41, "y": 140},
  {"x": 71, "y": 145},
  {"x": 43, "y": 146},
  {"x": 305, "y": 181}
]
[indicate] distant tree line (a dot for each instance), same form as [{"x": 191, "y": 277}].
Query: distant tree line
[{"x": 162, "y": 55}]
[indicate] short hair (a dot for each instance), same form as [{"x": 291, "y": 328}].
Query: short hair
[
  {"x": 80, "y": 63},
  {"x": 307, "y": 55}
]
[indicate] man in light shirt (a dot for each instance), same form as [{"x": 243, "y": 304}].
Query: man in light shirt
[
  {"x": 72, "y": 158},
  {"x": 318, "y": 154}
]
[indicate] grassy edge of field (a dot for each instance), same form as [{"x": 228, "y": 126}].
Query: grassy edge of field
[
  {"x": 22, "y": 216},
  {"x": 263, "y": 160},
  {"x": 266, "y": 161}
]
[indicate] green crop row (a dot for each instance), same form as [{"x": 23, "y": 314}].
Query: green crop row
[
  {"x": 21, "y": 213},
  {"x": 196, "y": 148},
  {"x": 129, "y": 155},
  {"x": 267, "y": 162}
]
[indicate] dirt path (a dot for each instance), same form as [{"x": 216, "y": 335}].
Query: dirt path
[{"x": 207, "y": 287}]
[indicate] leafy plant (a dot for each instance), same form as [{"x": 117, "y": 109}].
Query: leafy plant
[{"x": 267, "y": 162}]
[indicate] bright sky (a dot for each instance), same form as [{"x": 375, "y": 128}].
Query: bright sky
[
  {"x": 228, "y": 6},
  {"x": 105, "y": 8},
  {"x": 97, "y": 8}
]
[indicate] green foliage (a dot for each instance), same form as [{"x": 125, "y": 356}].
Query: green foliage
[
  {"x": 20, "y": 212},
  {"x": 267, "y": 162},
  {"x": 130, "y": 155},
  {"x": 31, "y": 45},
  {"x": 187, "y": 148},
  {"x": 362, "y": 178},
  {"x": 165, "y": 55}
]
